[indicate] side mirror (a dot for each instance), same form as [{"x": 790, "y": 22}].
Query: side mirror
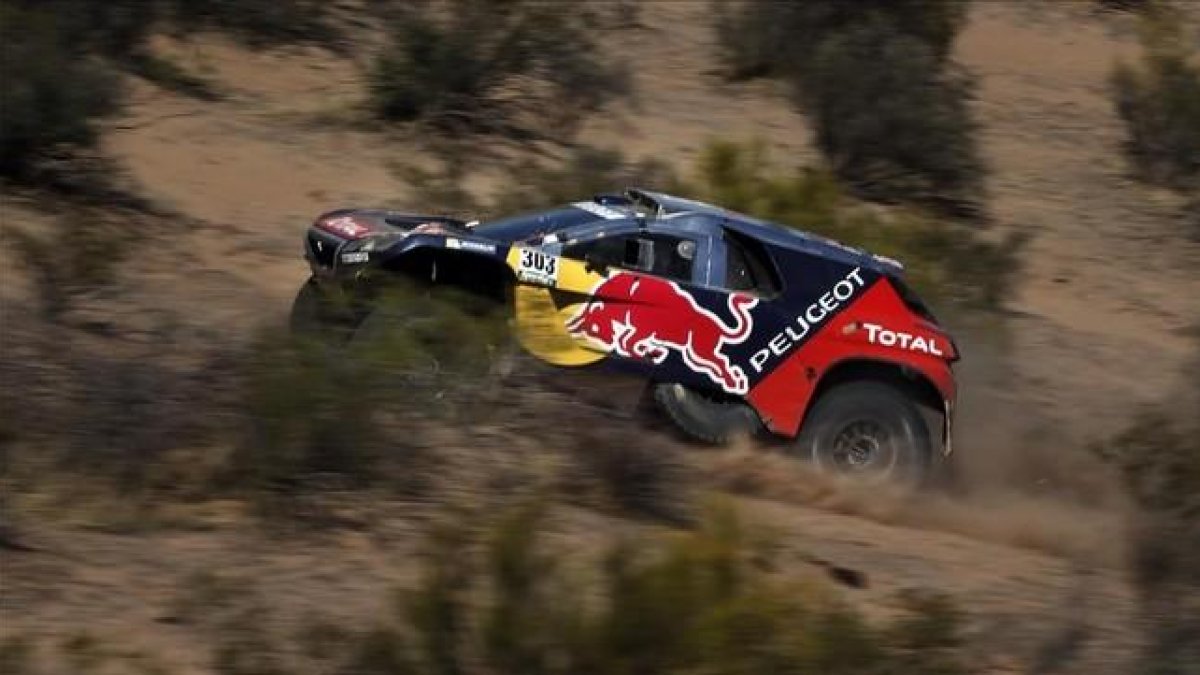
[{"x": 593, "y": 262}]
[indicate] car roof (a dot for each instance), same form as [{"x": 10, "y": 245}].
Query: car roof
[
  {"x": 670, "y": 206},
  {"x": 667, "y": 211}
]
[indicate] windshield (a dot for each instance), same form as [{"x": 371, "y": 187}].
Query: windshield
[{"x": 527, "y": 225}]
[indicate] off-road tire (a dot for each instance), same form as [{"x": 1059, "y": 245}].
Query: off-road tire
[
  {"x": 380, "y": 332},
  {"x": 867, "y": 429},
  {"x": 385, "y": 324},
  {"x": 705, "y": 418},
  {"x": 314, "y": 315}
]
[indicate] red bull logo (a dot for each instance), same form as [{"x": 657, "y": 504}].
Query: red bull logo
[{"x": 646, "y": 318}]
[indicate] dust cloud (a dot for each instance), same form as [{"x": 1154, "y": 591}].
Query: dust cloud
[{"x": 1015, "y": 478}]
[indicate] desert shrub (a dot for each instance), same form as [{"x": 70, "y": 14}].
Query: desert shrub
[
  {"x": 259, "y": 23},
  {"x": 1159, "y": 100},
  {"x": 63, "y": 274},
  {"x": 889, "y": 110},
  {"x": 1123, "y": 5},
  {"x": 947, "y": 261},
  {"x": 640, "y": 474},
  {"x": 1191, "y": 217},
  {"x": 586, "y": 171},
  {"x": 440, "y": 188},
  {"x": 54, "y": 93},
  {"x": 892, "y": 123},
  {"x": 479, "y": 65},
  {"x": 697, "y": 602},
  {"x": 96, "y": 416},
  {"x": 169, "y": 75},
  {"x": 1159, "y": 455},
  {"x": 16, "y": 655},
  {"x": 274, "y": 421},
  {"x": 316, "y": 413},
  {"x": 112, "y": 28},
  {"x": 764, "y": 37},
  {"x": 309, "y": 416},
  {"x": 120, "y": 28}
]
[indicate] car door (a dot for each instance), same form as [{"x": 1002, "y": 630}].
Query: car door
[
  {"x": 656, "y": 300},
  {"x": 550, "y": 289},
  {"x": 585, "y": 281}
]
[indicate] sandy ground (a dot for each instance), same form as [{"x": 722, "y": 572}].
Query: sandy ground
[{"x": 1099, "y": 324}]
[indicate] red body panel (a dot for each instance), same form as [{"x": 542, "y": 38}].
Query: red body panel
[{"x": 877, "y": 327}]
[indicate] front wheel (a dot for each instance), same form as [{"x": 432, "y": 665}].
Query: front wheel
[{"x": 869, "y": 430}]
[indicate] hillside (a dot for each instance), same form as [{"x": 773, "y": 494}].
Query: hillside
[{"x": 1102, "y": 322}]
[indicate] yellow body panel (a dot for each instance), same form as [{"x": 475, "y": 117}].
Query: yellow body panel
[{"x": 540, "y": 324}]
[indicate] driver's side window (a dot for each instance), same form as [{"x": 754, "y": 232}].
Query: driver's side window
[{"x": 661, "y": 255}]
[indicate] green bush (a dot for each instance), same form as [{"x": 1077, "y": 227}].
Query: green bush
[
  {"x": 120, "y": 28},
  {"x": 640, "y": 474},
  {"x": 534, "y": 185},
  {"x": 1159, "y": 456},
  {"x": 111, "y": 28},
  {"x": 946, "y": 261},
  {"x": 1191, "y": 217},
  {"x": 893, "y": 124},
  {"x": 767, "y": 37},
  {"x": 259, "y": 23},
  {"x": 587, "y": 171},
  {"x": 491, "y": 66},
  {"x": 315, "y": 413},
  {"x": 1124, "y": 5},
  {"x": 61, "y": 275},
  {"x": 53, "y": 92},
  {"x": 888, "y": 108},
  {"x": 1159, "y": 100},
  {"x": 697, "y": 602}
]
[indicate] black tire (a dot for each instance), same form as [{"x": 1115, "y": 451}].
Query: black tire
[
  {"x": 706, "y": 418},
  {"x": 391, "y": 339},
  {"x": 869, "y": 430},
  {"x": 406, "y": 334},
  {"x": 314, "y": 315}
]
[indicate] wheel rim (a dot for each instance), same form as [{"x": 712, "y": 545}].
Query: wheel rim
[{"x": 860, "y": 447}]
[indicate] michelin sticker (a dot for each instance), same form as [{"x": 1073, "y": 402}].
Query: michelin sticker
[
  {"x": 536, "y": 267},
  {"x": 464, "y": 245}
]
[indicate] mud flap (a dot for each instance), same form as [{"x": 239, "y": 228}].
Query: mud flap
[{"x": 947, "y": 422}]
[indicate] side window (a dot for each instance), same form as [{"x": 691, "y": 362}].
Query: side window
[
  {"x": 657, "y": 254},
  {"x": 747, "y": 267}
]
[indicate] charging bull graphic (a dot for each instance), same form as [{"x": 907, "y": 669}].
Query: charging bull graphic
[{"x": 645, "y": 317}]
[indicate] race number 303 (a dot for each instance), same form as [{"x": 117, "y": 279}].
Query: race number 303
[{"x": 537, "y": 267}]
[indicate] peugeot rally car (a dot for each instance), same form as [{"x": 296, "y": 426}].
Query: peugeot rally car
[{"x": 730, "y": 325}]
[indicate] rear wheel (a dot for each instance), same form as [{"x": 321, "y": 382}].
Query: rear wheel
[
  {"x": 706, "y": 417},
  {"x": 869, "y": 430},
  {"x": 315, "y": 314}
]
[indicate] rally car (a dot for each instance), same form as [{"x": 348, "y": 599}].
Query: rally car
[{"x": 728, "y": 324}]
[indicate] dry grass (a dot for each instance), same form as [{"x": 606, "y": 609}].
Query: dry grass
[{"x": 1000, "y": 514}]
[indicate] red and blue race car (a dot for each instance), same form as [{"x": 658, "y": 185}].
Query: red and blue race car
[{"x": 729, "y": 324}]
